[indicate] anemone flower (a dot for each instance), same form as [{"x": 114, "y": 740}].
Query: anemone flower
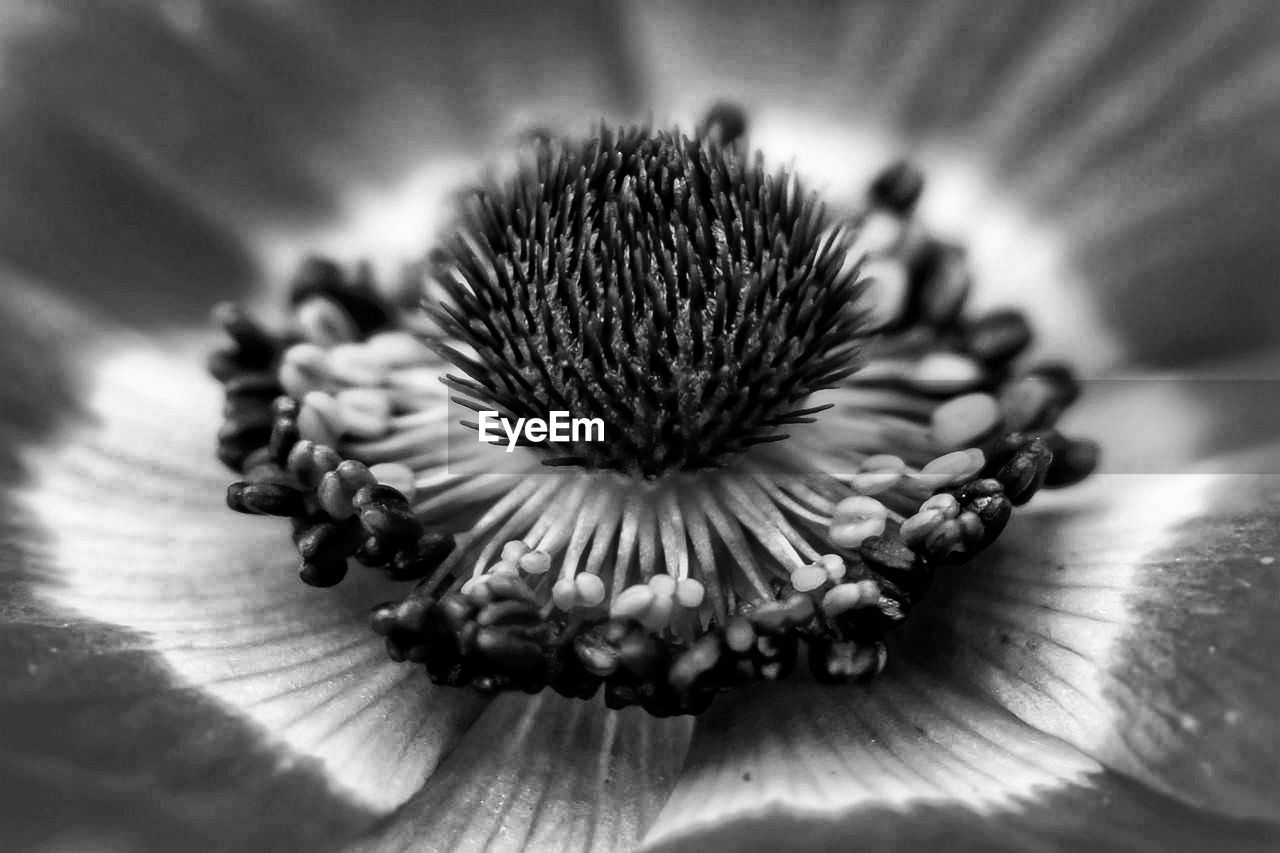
[{"x": 833, "y": 384}]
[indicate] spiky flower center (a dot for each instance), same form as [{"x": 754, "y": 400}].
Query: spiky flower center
[
  {"x": 679, "y": 292},
  {"x": 697, "y": 304}
]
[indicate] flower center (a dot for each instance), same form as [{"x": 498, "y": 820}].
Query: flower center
[
  {"x": 683, "y": 295},
  {"x": 697, "y": 304}
]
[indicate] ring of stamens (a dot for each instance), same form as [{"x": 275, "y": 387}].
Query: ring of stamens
[{"x": 662, "y": 587}]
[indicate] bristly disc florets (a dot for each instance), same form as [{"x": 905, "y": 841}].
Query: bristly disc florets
[
  {"x": 682, "y": 293},
  {"x": 694, "y": 302}
]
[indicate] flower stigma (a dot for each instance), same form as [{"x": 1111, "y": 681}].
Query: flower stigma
[{"x": 803, "y": 424}]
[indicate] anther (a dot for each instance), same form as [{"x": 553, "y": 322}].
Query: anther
[
  {"x": 393, "y": 474},
  {"x": 855, "y": 519},
  {"x": 875, "y": 481},
  {"x": 320, "y": 277},
  {"x": 325, "y": 322},
  {"x": 515, "y": 549},
  {"x": 389, "y": 523},
  {"x": 1024, "y": 473},
  {"x": 689, "y": 593},
  {"x": 775, "y": 617},
  {"x": 833, "y": 565},
  {"x": 340, "y": 485},
  {"x": 1073, "y": 460},
  {"x": 309, "y": 462},
  {"x": 998, "y": 337},
  {"x": 305, "y": 367},
  {"x": 941, "y": 285},
  {"x": 505, "y": 567},
  {"x": 739, "y": 635},
  {"x": 842, "y": 598},
  {"x": 632, "y": 603},
  {"x": 507, "y": 587},
  {"x": 330, "y": 539},
  {"x": 261, "y": 386},
  {"x": 809, "y": 578},
  {"x": 897, "y": 188},
  {"x": 284, "y": 429},
  {"x": 965, "y": 420},
  {"x": 422, "y": 557},
  {"x": 888, "y": 555},
  {"x": 589, "y": 589},
  {"x": 254, "y": 345},
  {"x": 947, "y": 373},
  {"x": 945, "y": 542},
  {"x": 236, "y": 441},
  {"x": 265, "y": 499},
  {"x": 689, "y": 667},
  {"x": 662, "y": 585},
  {"x": 951, "y": 468},
  {"x": 917, "y": 528},
  {"x": 599, "y": 657},
  {"x": 535, "y": 562},
  {"x": 323, "y": 571},
  {"x": 725, "y": 122}
]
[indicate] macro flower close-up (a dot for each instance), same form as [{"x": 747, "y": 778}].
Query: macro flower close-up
[{"x": 639, "y": 426}]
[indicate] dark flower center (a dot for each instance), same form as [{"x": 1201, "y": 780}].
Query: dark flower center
[
  {"x": 681, "y": 293},
  {"x": 697, "y": 305}
]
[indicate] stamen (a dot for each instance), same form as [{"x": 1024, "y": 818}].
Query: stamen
[
  {"x": 965, "y": 420},
  {"x": 701, "y": 306},
  {"x": 897, "y": 188},
  {"x": 855, "y": 519}
]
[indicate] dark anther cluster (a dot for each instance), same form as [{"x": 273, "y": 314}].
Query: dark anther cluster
[
  {"x": 499, "y": 636},
  {"x": 338, "y": 510},
  {"x": 693, "y": 300}
]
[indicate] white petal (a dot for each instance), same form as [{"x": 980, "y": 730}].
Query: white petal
[
  {"x": 140, "y": 537},
  {"x": 545, "y": 773},
  {"x": 1077, "y": 647},
  {"x": 1188, "y": 688},
  {"x": 816, "y": 752}
]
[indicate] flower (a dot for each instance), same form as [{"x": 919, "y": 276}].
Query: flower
[{"x": 1124, "y": 699}]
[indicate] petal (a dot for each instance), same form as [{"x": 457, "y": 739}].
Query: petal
[
  {"x": 545, "y": 773},
  {"x": 1095, "y": 625},
  {"x": 1194, "y": 678},
  {"x": 1107, "y": 813},
  {"x": 1121, "y": 632},
  {"x": 814, "y": 752},
  {"x": 154, "y": 151},
  {"x": 102, "y": 748},
  {"x": 1072, "y": 146},
  {"x": 137, "y": 535}
]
